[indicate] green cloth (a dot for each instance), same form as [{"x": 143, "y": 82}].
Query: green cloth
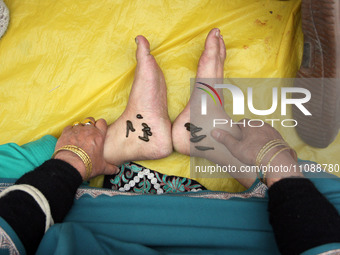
[
  {"x": 17, "y": 160},
  {"x": 153, "y": 224}
]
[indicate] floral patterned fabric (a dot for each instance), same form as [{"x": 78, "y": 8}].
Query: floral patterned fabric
[{"x": 138, "y": 179}]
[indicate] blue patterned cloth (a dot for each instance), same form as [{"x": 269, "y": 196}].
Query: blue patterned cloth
[{"x": 136, "y": 178}]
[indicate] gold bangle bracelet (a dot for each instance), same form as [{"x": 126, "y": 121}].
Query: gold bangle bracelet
[
  {"x": 265, "y": 149},
  {"x": 81, "y": 154},
  {"x": 271, "y": 159},
  {"x": 268, "y": 150},
  {"x": 268, "y": 147},
  {"x": 277, "y": 153}
]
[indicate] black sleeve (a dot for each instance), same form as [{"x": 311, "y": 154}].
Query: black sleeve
[
  {"x": 301, "y": 217},
  {"x": 58, "y": 181}
]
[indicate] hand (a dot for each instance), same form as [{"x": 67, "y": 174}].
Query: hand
[
  {"x": 90, "y": 138},
  {"x": 252, "y": 140}
]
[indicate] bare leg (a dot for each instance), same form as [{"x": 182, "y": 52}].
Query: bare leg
[
  {"x": 143, "y": 131},
  {"x": 210, "y": 65}
]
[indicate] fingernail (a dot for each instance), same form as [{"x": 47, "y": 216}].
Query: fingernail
[
  {"x": 215, "y": 134},
  {"x": 136, "y": 40},
  {"x": 221, "y": 36},
  {"x": 218, "y": 33}
]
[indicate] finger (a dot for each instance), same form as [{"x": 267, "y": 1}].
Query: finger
[
  {"x": 225, "y": 138},
  {"x": 242, "y": 124},
  {"x": 111, "y": 169},
  {"x": 102, "y": 126},
  {"x": 93, "y": 121},
  {"x": 76, "y": 124},
  {"x": 67, "y": 128}
]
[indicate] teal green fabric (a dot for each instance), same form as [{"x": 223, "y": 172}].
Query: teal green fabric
[
  {"x": 17, "y": 160},
  {"x": 156, "y": 224},
  {"x": 166, "y": 224},
  {"x": 172, "y": 224}
]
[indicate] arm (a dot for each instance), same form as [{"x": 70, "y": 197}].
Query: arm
[
  {"x": 301, "y": 217},
  {"x": 57, "y": 180}
]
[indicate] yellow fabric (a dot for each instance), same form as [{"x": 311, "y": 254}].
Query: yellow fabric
[{"x": 61, "y": 61}]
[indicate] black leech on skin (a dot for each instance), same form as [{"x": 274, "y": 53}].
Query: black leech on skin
[
  {"x": 139, "y": 116},
  {"x": 147, "y": 132},
  {"x": 129, "y": 126},
  {"x": 204, "y": 148},
  {"x": 145, "y": 139},
  {"x": 197, "y": 139},
  {"x": 192, "y": 128}
]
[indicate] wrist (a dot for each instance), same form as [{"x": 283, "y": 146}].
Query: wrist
[
  {"x": 286, "y": 165},
  {"x": 73, "y": 160}
]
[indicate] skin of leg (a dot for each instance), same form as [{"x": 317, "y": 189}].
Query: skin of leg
[
  {"x": 148, "y": 99},
  {"x": 211, "y": 65}
]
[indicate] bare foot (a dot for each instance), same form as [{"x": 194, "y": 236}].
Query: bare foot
[
  {"x": 143, "y": 131},
  {"x": 210, "y": 66}
]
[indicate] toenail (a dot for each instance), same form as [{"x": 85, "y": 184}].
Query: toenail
[
  {"x": 218, "y": 33},
  {"x": 136, "y": 40}
]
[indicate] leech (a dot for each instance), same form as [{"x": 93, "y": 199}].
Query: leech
[
  {"x": 147, "y": 132},
  {"x": 204, "y": 148},
  {"x": 145, "y": 139},
  {"x": 197, "y": 139},
  {"x": 129, "y": 126},
  {"x": 194, "y": 129},
  {"x": 139, "y": 116}
]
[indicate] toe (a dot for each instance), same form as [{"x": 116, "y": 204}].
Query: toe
[
  {"x": 223, "y": 52},
  {"x": 143, "y": 47},
  {"x": 212, "y": 43}
]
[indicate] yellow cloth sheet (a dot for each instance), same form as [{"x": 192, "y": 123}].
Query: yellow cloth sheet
[{"x": 61, "y": 61}]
